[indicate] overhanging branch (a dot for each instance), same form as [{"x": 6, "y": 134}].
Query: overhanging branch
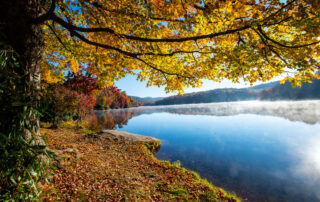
[
  {"x": 72, "y": 27},
  {"x": 46, "y": 16},
  {"x": 131, "y": 14},
  {"x": 133, "y": 55},
  {"x": 283, "y": 45}
]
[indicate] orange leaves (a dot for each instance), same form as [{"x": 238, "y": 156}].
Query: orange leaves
[
  {"x": 157, "y": 3},
  {"x": 113, "y": 170}
]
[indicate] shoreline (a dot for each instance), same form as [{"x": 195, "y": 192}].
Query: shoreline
[{"x": 116, "y": 165}]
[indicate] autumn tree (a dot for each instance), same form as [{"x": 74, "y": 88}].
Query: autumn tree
[
  {"x": 171, "y": 43},
  {"x": 85, "y": 84},
  {"x": 81, "y": 81},
  {"x": 74, "y": 98},
  {"x": 112, "y": 97}
]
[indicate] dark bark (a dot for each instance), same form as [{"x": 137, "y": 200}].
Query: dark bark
[{"x": 26, "y": 39}]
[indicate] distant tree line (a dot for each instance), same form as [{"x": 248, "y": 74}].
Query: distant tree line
[
  {"x": 275, "y": 91},
  {"x": 286, "y": 92},
  {"x": 218, "y": 95}
]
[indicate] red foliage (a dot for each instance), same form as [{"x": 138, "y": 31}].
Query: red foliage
[
  {"x": 112, "y": 97},
  {"x": 76, "y": 98},
  {"x": 86, "y": 104},
  {"x": 58, "y": 102},
  {"x": 82, "y": 81}
]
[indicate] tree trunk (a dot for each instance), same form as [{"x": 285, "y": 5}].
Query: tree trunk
[{"x": 26, "y": 39}]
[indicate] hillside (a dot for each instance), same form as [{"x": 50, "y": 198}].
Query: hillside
[
  {"x": 217, "y": 95},
  {"x": 286, "y": 92},
  {"x": 268, "y": 91},
  {"x": 264, "y": 86},
  {"x": 147, "y": 99}
]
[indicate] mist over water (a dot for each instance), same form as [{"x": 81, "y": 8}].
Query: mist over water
[{"x": 263, "y": 151}]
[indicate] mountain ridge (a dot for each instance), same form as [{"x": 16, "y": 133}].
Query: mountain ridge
[
  {"x": 147, "y": 99},
  {"x": 267, "y": 91}
]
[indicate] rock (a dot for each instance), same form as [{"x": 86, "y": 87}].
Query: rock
[
  {"x": 153, "y": 144},
  {"x": 128, "y": 136},
  {"x": 61, "y": 155}
]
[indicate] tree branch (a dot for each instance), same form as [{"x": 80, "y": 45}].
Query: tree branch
[
  {"x": 133, "y": 55},
  {"x": 84, "y": 39},
  {"x": 173, "y": 53},
  {"x": 72, "y": 27},
  {"x": 47, "y": 15},
  {"x": 160, "y": 70},
  {"x": 59, "y": 39},
  {"x": 130, "y": 14},
  {"x": 270, "y": 46},
  {"x": 278, "y": 11},
  {"x": 283, "y": 45}
]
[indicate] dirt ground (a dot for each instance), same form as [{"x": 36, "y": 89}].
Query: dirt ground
[{"x": 96, "y": 168}]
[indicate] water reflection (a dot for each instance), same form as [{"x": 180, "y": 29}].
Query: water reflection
[
  {"x": 264, "y": 151},
  {"x": 111, "y": 119},
  {"x": 305, "y": 111}
]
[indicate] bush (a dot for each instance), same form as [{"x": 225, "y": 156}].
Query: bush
[
  {"x": 21, "y": 167},
  {"x": 58, "y": 103}
]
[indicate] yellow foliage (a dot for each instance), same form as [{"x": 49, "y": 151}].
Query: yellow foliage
[
  {"x": 176, "y": 44},
  {"x": 74, "y": 66},
  {"x": 50, "y": 76}
]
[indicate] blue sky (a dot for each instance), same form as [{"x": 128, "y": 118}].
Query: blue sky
[{"x": 137, "y": 88}]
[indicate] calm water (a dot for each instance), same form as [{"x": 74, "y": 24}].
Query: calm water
[{"x": 263, "y": 151}]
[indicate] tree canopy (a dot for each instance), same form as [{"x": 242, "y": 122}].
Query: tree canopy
[{"x": 178, "y": 43}]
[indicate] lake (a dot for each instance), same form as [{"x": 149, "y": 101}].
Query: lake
[{"x": 262, "y": 151}]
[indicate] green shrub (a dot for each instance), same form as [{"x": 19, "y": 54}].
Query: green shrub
[{"x": 21, "y": 166}]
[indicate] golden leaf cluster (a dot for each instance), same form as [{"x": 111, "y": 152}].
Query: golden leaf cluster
[{"x": 179, "y": 43}]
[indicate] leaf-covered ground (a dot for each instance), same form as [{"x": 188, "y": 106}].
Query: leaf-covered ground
[{"x": 91, "y": 168}]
